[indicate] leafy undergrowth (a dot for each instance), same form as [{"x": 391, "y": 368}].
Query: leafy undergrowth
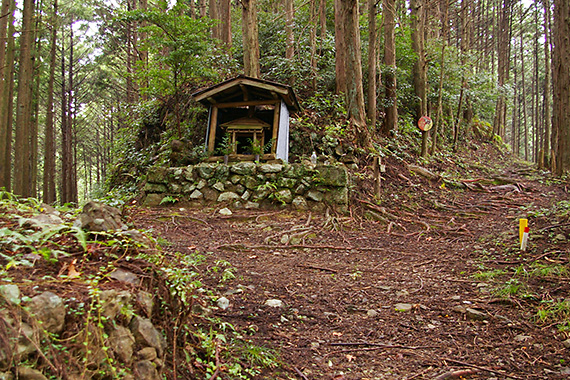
[
  {"x": 38, "y": 256},
  {"x": 186, "y": 279}
]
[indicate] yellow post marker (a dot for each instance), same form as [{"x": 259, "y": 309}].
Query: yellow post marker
[{"x": 523, "y": 223}]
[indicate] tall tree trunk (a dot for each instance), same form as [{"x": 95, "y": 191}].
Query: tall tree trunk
[
  {"x": 503, "y": 53},
  {"x": 289, "y": 25},
  {"x": 561, "y": 84},
  {"x": 340, "y": 48},
  {"x": 523, "y": 103},
  {"x": 313, "y": 43},
  {"x": 22, "y": 164},
  {"x": 439, "y": 114},
  {"x": 49, "y": 195},
  {"x": 143, "y": 53},
  {"x": 419, "y": 71},
  {"x": 547, "y": 147},
  {"x": 250, "y": 38},
  {"x": 6, "y": 96},
  {"x": 202, "y": 8},
  {"x": 226, "y": 25},
  {"x": 372, "y": 63},
  {"x": 322, "y": 23},
  {"x": 515, "y": 125},
  {"x": 4, "y": 18},
  {"x": 215, "y": 15},
  {"x": 389, "y": 73},
  {"x": 355, "y": 90}
]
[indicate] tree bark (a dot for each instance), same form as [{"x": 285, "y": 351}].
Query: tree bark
[
  {"x": 49, "y": 194},
  {"x": 547, "y": 147},
  {"x": 419, "y": 70},
  {"x": 313, "y": 43},
  {"x": 4, "y": 17},
  {"x": 340, "y": 48},
  {"x": 289, "y": 24},
  {"x": 226, "y": 25},
  {"x": 389, "y": 73},
  {"x": 561, "y": 84},
  {"x": 503, "y": 55},
  {"x": 6, "y": 98},
  {"x": 372, "y": 63},
  {"x": 215, "y": 15},
  {"x": 523, "y": 102},
  {"x": 355, "y": 90},
  {"x": 23, "y": 144},
  {"x": 250, "y": 38}
]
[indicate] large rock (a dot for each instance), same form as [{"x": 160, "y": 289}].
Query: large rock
[
  {"x": 196, "y": 195},
  {"x": 146, "y": 334},
  {"x": 26, "y": 343},
  {"x": 10, "y": 293},
  {"x": 153, "y": 200},
  {"x": 333, "y": 175},
  {"x": 338, "y": 196},
  {"x": 154, "y": 188},
  {"x": 210, "y": 194},
  {"x": 315, "y": 195},
  {"x": 243, "y": 168},
  {"x": 145, "y": 370},
  {"x": 6, "y": 376},
  {"x": 157, "y": 175},
  {"x": 49, "y": 309},
  {"x": 146, "y": 301},
  {"x": 300, "y": 203},
  {"x": 27, "y": 373},
  {"x": 113, "y": 302},
  {"x": 284, "y": 196},
  {"x": 228, "y": 196},
  {"x": 121, "y": 341},
  {"x": 99, "y": 217},
  {"x": 43, "y": 220},
  {"x": 270, "y": 168},
  {"x": 205, "y": 170}
]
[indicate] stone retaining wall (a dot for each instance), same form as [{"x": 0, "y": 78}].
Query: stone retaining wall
[{"x": 251, "y": 185}]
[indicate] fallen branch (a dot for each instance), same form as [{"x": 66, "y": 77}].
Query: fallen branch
[
  {"x": 381, "y": 345},
  {"x": 242, "y": 247},
  {"x": 377, "y": 347},
  {"x": 553, "y": 226},
  {"x": 456, "y": 374},
  {"x": 300, "y": 373},
  {"x": 486, "y": 369},
  {"x": 319, "y": 268}
]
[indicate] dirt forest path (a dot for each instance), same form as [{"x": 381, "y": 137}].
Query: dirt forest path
[{"x": 366, "y": 299}]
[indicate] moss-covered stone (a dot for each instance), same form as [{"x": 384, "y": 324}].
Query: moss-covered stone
[
  {"x": 222, "y": 172},
  {"x": 315, "y": 195},
  {"x": 228, "y": 196},
  {"x": 189, "y": 173},
  {"x": 333, "y": 175},
  {"x": 286, "y": 182},
  {"x": 270, "y": 168},
  {"x": 338, "y": 196},
  {"x": 284, "y": 196},
  {"x": 249, "y": 182},
  {"x": 210, "y": 194},
  {"x": 153, "y": 200},
  {"x": 205, "y": 170},
  {"x": 157, "y": 175},
  {"x": 243, "y": 168},
  {"x": 155, "y": 188}
]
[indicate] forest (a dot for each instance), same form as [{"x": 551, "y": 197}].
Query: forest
[
  {"x": 384, "y": 249},
  {"x": 88, "y": 87}
]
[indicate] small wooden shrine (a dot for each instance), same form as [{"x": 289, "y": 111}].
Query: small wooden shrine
[{"x": 248, "y": 117}]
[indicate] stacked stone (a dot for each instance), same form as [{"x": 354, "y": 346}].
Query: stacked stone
[{"x": 251, "y": 185}]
